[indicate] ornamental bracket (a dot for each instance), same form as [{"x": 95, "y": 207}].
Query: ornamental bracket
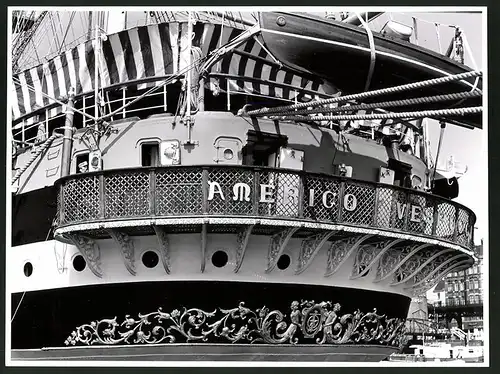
[
  {"x": 417, "y": 265},
  {"x": 310, "y": 248},
  {"x": 340, "y": 251},
  {"x": 164, "y": 247},
  {"x": 392, "y": 260},
  {"x": 90, "y": 251},
  {"x": 243, "y": 236},
  {"x": 368, "y": 255},
  {"x": 126, "y": 247},
  {"x": 277, "y": 245}
]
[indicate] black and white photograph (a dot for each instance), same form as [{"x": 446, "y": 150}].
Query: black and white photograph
[{"x": 245, "y": 186}]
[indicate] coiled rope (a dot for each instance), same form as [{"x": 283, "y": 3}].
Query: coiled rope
[
  {"x": 364, "y": 95},
  {"x": 387, "y": 104},
  {"x": 35, "y": 155},
  {"x": 418, "y": 114}
]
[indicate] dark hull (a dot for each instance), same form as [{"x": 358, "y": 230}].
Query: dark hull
[
  {"x": 47, "y": 318},
  {"x": 207, "y": 352},
  {"x": 340, "y": 53}
]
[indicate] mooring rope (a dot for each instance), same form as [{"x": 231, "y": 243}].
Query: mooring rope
[
  {"x": 364, "y": 95},
  {"x": 385, "y": 104},
  {"x": 417, "y": 114}
]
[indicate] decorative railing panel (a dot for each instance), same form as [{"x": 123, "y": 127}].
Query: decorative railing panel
[{"x": 260, "y": 192}]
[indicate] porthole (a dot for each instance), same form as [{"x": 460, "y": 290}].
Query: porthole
[
  {"x": 79, "y": 263},
  {"x": 28, "y": 269},
  {"x": 228, "y": 154},
  {"x": 220, "y": 259},
  {"x": 150, "y": 259},
  {"x": 284, "y": 262}
]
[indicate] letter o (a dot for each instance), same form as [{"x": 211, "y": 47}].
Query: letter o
[{"x": 350, "y": 202}]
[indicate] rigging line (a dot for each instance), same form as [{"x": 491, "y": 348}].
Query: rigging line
[
  {"x": 53, "y": 26},
  {"x": 51, "y": 98},
  {"x": 373, "y": 53},
  {"x": 18, "y": 305},
  {"x": 367, "y": 94},
  {"x": 66, "y": 33},
  {"x": 417, "y": 114},
  {"x": 386, "y": 104}
]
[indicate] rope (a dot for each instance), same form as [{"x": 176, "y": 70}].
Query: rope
[
  {"x": 387, "y": 104},
  {"x": 18, "y": 305},
  {"x": 373, "y": 53},
  {"x": 418, "y": 114},
  {"x": 364, "y": 95},
  {"x": 44, "y": 146}
]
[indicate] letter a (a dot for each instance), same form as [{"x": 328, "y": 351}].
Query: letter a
[{"x": 212, "y": 190}]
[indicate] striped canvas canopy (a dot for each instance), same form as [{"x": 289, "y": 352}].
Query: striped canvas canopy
[{"x": 158, "y": 50}]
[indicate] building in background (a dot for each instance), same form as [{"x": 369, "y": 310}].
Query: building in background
[{"x": 457, "y": 301}]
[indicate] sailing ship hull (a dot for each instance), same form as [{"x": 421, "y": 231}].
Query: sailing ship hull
[{"x": 341, "y": 54}]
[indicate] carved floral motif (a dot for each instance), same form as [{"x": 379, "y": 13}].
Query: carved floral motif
[{"x": 308, "y": 322}]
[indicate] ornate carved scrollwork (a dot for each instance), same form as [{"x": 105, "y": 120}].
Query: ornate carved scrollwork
[
  {"x": 243, "y": 236},
  {"x": 308, "y": 322},
  {"x": 310, "y": 247},
  {"x": 164, "y": 247},
  {"x": 340, "y": 251},
  {"x": 126, "y": 245},
  {"x": 369, "y": 254},
  {"x": 396, "y": 257},
  {"x": 277, "y": 246},
  {"x": 90, "y": 251}
]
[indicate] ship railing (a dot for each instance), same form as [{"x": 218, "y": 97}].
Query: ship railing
[
  {"x": 85, "y": 103},
  {"x": 260, "y": 192}
]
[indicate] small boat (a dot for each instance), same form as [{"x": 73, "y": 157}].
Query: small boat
[{"x": 342, "y": 53}]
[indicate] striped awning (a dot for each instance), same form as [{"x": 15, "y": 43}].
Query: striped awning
[{"x": 158, "y": 50}]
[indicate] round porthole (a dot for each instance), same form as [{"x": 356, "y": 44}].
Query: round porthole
[
  {"x": 228, "y": 154},
  {"x": 79, "y": 263},
  {"x": 220, "y": 259},
  {"x": 284, "y": 262},
  {"x": 28, "y": 269},
  {"x": 150, "y": 259}
]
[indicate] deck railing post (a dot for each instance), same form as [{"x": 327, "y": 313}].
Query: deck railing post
[
  {"x": 204, "y": 184},
  {"x": 375, "y": 208},
  {"x": 302, "y": 181},
  {"x": 455, "y": 229},
  {"x": 152, "y": 192},
  {"x": 102, "y": 207},
  {"x": 341, "y": 201},
  {"x": 256, "y": 184},
  {"x": 435, "y": 218},
  {"x": 61, "y": 204}
]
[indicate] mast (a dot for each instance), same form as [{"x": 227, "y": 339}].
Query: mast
[
  {"x": 188, "y": 73},
  {"x": 96, "y": 69}
]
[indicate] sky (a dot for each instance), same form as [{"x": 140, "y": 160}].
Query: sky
[{"x": 467, "y": 146}]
